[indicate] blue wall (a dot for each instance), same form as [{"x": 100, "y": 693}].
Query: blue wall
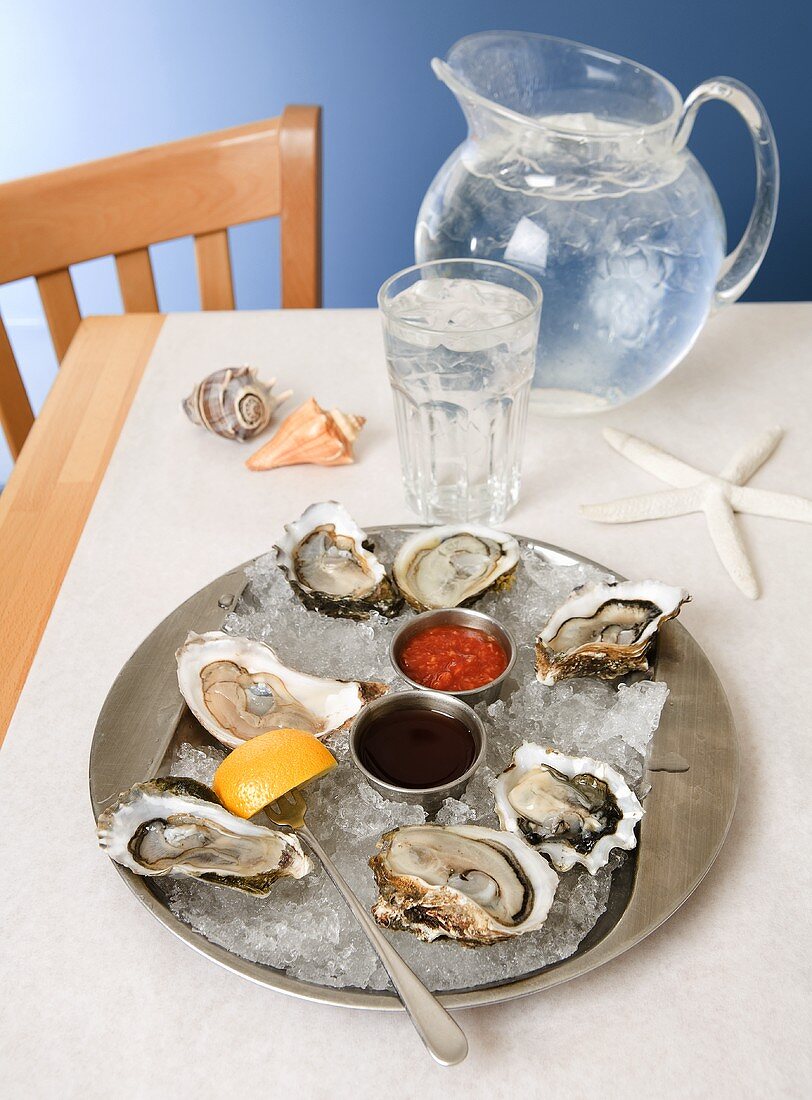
[{"x": 91, "y": 78}]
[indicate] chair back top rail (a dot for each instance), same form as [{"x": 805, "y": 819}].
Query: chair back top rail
[{"x": 125, "y": 202}]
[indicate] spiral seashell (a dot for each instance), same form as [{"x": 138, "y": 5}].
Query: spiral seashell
[
  {"x": 233, "y": 403},
  {"x": 310, "y": 435}
]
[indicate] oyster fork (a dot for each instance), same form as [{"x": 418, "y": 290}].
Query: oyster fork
[{"x": 442, "y": 1035}]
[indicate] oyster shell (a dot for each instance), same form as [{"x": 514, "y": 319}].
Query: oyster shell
[
  {"x": 605, "y": 630},
  {"x": 463, "y": 882},
  {"x": 453, "y": 566},
  {"x": 328, "y": 561},
  {"x": 176, "y": 826},
  {"x": 237, "y": 687},
  {"x": 572, "y": 808}
]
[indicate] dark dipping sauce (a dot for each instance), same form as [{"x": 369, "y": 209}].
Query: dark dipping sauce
[
  {"x": 452, "y": 658},
  {"x": 416, "y": 748}
]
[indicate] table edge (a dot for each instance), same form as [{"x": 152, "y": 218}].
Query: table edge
[{"x": 52, "y": 488}]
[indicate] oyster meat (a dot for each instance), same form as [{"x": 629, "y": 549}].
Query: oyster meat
[
  {"x": 176, "y": 826},
  {"x": 237, "y": 687},
  {"x": 574, "y": 809},
  {"x": 463, "y": 882},
  {"x": 605, "y": 630},
  {"x": 453, "y": 566},
  {"x": 330, "y": 565}
]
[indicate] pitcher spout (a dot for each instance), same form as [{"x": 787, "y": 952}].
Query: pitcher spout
[
  {"x": 483, "y": 116},
  {"x": 562, "y": 88}
]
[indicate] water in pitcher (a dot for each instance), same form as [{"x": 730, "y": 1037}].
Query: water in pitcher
[
  {"x": 621, "y": 274},
  {"x": 461, "y": 355}
]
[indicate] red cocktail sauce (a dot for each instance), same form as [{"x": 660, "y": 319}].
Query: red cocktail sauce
[{"x": 452, "y": 658}]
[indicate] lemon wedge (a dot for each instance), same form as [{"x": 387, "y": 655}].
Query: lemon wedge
[{"x": 267, "y": 766}]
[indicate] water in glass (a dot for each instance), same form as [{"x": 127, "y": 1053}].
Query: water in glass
[{"x": 461, "y": 353}]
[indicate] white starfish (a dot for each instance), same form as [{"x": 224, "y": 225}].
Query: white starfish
[{"x": 719, "y": 497}]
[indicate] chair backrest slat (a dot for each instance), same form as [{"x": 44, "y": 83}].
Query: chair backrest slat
[
  {"x": 136, "y": 281},
  {"x": 214, "y": 270},
  {"x": 61, "y": 308},
  {"x": 16, "y": 416},
  {"x": 300, "y": 149}
]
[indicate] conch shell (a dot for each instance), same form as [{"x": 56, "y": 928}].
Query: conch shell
[
  {"x": 233, "y": 403},
  {"x": 310, "y": 434}
]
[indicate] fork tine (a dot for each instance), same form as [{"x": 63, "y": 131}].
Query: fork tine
[{"x": 289, "y": 809}]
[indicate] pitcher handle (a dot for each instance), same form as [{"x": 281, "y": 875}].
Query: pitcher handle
[{"x": 740, "y": 266}]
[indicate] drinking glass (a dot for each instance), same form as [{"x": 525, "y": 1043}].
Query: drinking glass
[{"x": 460, "y": 338}]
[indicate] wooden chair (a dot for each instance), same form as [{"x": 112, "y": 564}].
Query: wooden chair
[{"x": 120, "y": 205}]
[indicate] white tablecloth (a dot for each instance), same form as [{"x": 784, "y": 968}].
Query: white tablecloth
[{"x": 100, "y": 1000}]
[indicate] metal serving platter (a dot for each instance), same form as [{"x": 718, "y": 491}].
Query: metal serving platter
[{"x": 695, "y": 781}]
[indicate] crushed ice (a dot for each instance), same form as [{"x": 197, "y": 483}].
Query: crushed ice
[{"x": 304, "y": 927}]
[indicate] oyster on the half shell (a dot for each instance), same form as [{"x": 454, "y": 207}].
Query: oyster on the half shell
[
  {"x": 572, "y": 808},
  {"x": 453, "y": 566},
  {"x": 464, "y": 882},
  {"x": 605, "y": 630},
  {"x": 329, "y": 563},
  {"x": 237, "y": 687},
  {"x": 176, "y": 826}
]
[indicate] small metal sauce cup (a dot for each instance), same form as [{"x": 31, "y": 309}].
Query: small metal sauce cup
[
  {"x": 457, "y": 616},
  {"x": 431, "y": 798}
]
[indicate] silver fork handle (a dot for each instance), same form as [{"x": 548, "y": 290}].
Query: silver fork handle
[{"x": 444, "y": 1038}]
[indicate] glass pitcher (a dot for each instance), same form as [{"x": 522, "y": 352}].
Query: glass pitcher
[{"x": 576, "y": 169}]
